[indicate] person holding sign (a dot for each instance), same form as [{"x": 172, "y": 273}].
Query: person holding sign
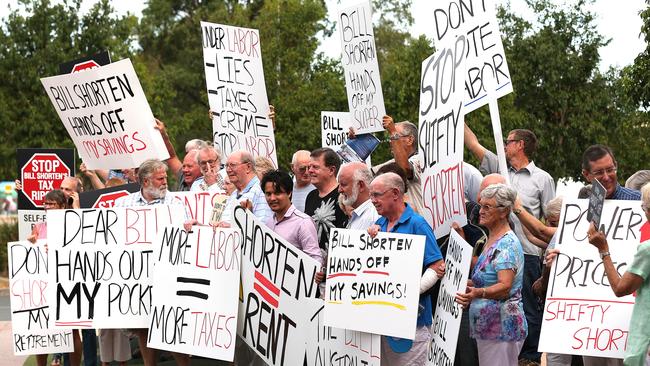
[
  {"x": 598, "y": 162},
  {"x": 496, "y": 313},
  {"x": 387, "y": 195},
  {"x": 636, "y": 278}
]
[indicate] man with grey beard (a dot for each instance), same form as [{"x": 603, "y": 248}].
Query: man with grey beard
[{"x": 354, "y": 179}]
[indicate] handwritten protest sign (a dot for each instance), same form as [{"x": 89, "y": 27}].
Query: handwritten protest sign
[
  {"x": 335, "y": 346},
  {"x": 236, "y": 90},
  {"x": 102, "y": 262},
  {"x": 446, "y": 322},
  {"x": 359, "y": 59},
  {"x": 373, "y": 278},
  {"x": 30, "y": 309},
  {"x": 107, "y": 116},
  {"x": 334, "y": 128},
  {"x": 475, "y": 20},
  {"x": 276, "y": 278},
  {"x": 200, "y": 205},
  {"x": 196, "y": 283},
  {"x": 582, "y": 315},
  {"x": 441, "y": 138}
]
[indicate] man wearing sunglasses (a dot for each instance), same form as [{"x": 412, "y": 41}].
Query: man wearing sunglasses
[{"x": 302, "y": 181}]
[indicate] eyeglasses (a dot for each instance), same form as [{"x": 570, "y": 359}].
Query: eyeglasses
[
  {"x": 50, "y": 204},
  {"x": 233, "y": 165},
  {"x": 303, "y": 169},
  {"x": 207, "y": 162},
  {"x": 603, "y": 172},
  {"x": 509, "y": 141},
  {"x": 488, "y": 207},
  {"x": 376, "y": 195}
]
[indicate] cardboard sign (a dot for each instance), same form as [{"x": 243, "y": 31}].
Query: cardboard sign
[
  {"x": 487, "y": 71},
  {"x": 596, "y": 202},
  {"x": 236, "y": 91},
  {"x": 373, "y": 278},
  {"x": 359, "y": 60},
  {"x": 441, "y": 137},
  {"x": 40, "y": 171},
  {"x": 26, "y": 221},
  {"x": 200, "y": 205},
  {"x": 582, "y": 316},
  {"x": 446, "y": 322},
  {"x": 105, "y": 198},
  {"x": 335, "y": 346},
  {"x": 107, "y": 116},
  {"x": 196, "y": 283},
  {"x": 102, "y": 262},
  {"x": 276, "y": 278},
  {"x": 334, "y": 128},
  {"x": 30, "y": 309}
]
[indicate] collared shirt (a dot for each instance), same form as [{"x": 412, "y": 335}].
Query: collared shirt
[
  {"x": 136, "y": 199},
  {"x": 412, "y": 223},
  {"x": 534, "y": 186},
  {"x": 200, "y": 185},
  {"x": 625, "y": 194},
  {"x": 298, "y": 229},
  {"x": 252, "y": 192},
  {"x": 363, "y": 216}
]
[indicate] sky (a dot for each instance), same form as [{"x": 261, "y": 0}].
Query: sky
[{"x": 618, "y": 20}]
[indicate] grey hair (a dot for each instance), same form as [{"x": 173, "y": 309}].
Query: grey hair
[
  {"x": 645, "y": 195},
  {"x": 391, "y": 180},
  {"x": 409, "y": 129},
  {"x": 207, "y": 148},
  {"x": 79, "y": 188},
  {"x": 264, "y": 164},
  {"x": 195, "y": 144},
  {"x": 247, "y": 158},
  {"x": 361, "y": 172},
  {"x": 504, "y": 195},
  {"x": 294, "y": 158},
  {"x": 149, "y": 167},
  {"x": 554, "y": 206},
  {"x": 638, "y": 180}
]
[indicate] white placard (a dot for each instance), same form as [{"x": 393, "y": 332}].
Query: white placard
[
  {"x": 373, "y": 278},
  {"x": 334, "y": 346},
  {"x": 446, "y": 321},
  {"x": 102, "y": 264},
  {"x": 30, "y": 310},
  {"x": 441, "y": 137},
  {"x": 487, "y": 69},
  {"x": 361, "y": 69},
  {"x": 26, "y": 221},
  {"x": 334, "y": 127},
  {"x": 236, "y": 91},
  {"x": 276, "y": 279},
  {"x": 582, "y": 315},
  {"x": 199, "y": 205},
  {"x": 107, "y": 116},
  {"x": 195, "y": 291}
]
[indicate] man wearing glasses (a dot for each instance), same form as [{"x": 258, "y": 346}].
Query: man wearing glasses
[
  {"x": 302, "y": 182},
  {"x": 208, "y": 159},
  {"x": 598, "y": 162}
]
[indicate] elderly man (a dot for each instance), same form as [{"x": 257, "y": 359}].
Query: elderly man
[
  {"x": 153, "y": 182},
  {"x": 387, "y": 195},
  {"x": 354, "y": 184},
  {"x": 240, "y": 168},
  {"x": 302, "y": 182},
  {"x": 190, "y": 171},
  {"x": 598, "y": 163},
  {"x": 209, "y": 160}
]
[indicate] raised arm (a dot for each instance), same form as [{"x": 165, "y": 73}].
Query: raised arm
[{"x": 472, "y": 143}]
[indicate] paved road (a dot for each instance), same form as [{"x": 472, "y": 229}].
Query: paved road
[{"x": 5, "y": 311}]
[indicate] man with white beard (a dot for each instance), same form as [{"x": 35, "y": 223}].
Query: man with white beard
[{"x": 354, "y": 182}]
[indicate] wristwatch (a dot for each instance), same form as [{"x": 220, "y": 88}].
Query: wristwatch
[
  {"x": 516, "y": 211},
  {"x": 603, "y": 255}
]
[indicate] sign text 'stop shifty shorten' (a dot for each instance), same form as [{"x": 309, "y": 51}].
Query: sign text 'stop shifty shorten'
[
  {"x": 487, "y": 69},
  {"x": 107, "y": 116},
  {"x": 236, "y": 90}
]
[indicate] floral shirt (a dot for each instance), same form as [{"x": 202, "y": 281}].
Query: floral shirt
[{"x": 499, "y": 320}]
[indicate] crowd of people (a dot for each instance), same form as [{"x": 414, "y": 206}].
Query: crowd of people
[{"x": 511, "y": 226}]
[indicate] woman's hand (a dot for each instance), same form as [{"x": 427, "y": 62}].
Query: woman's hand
[
  {"x": 464, "y": 299},
  {"x": 597, "y": 238},
  {"x": 551, "y": 254},
  {"x": 373, "y": 230}
]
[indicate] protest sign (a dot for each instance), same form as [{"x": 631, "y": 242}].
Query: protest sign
[
  {"x": 475, "y": 20},
  {"x": 369, "y": 279},
  {"x": 105, "y": 198},
  {"x": 335, "y": 346},
  {"x": 200, "y": 205},
  {"x": 334, "y": 128},
  {"x": 40, "y": 171},
  {"x": 107, "y": 116},
  {"x": 195, "y": 291},
  {"x": 441, "y": 137},
  {"x": 30, "y": 309},
  {"x": 102, "y": 261},
  {"x": 361, "y": 69},
  {"x": 582, "y": 315},
  {"x": 26, "y": 221},
  {"x": 446, "y": 322},
  {"x": 236, "y": 91},
  {"x": 84, "y": 63},
  {"x": 596, "y": 202},
  {"x": 276, "y": 278}
]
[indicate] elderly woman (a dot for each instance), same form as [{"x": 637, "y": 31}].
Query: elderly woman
[
  {"x": 636, "y": 278},
  {"x": 496, "y": 313}
]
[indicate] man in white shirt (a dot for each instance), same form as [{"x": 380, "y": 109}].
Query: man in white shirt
[
  {"x": 354, "y": 182},
  {"x": 302, "y": 181}
]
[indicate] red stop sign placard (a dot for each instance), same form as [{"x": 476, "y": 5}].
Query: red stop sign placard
[
  {"x": 107, "y": 200},
  {"x": 41, "y": 174},
  {"x": 84, "y": 66}
]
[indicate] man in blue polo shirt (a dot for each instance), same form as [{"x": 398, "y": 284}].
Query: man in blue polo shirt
[{"x": 387, "y": 195}]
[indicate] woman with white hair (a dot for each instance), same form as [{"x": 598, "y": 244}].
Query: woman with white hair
[
  {"x": 496, "y": 311},
  {"x": 636, "y": 278}
]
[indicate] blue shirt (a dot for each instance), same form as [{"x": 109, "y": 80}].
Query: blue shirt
[
  {"x": 626, "y": 194},
  {"x": 412, "y": 223}
]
